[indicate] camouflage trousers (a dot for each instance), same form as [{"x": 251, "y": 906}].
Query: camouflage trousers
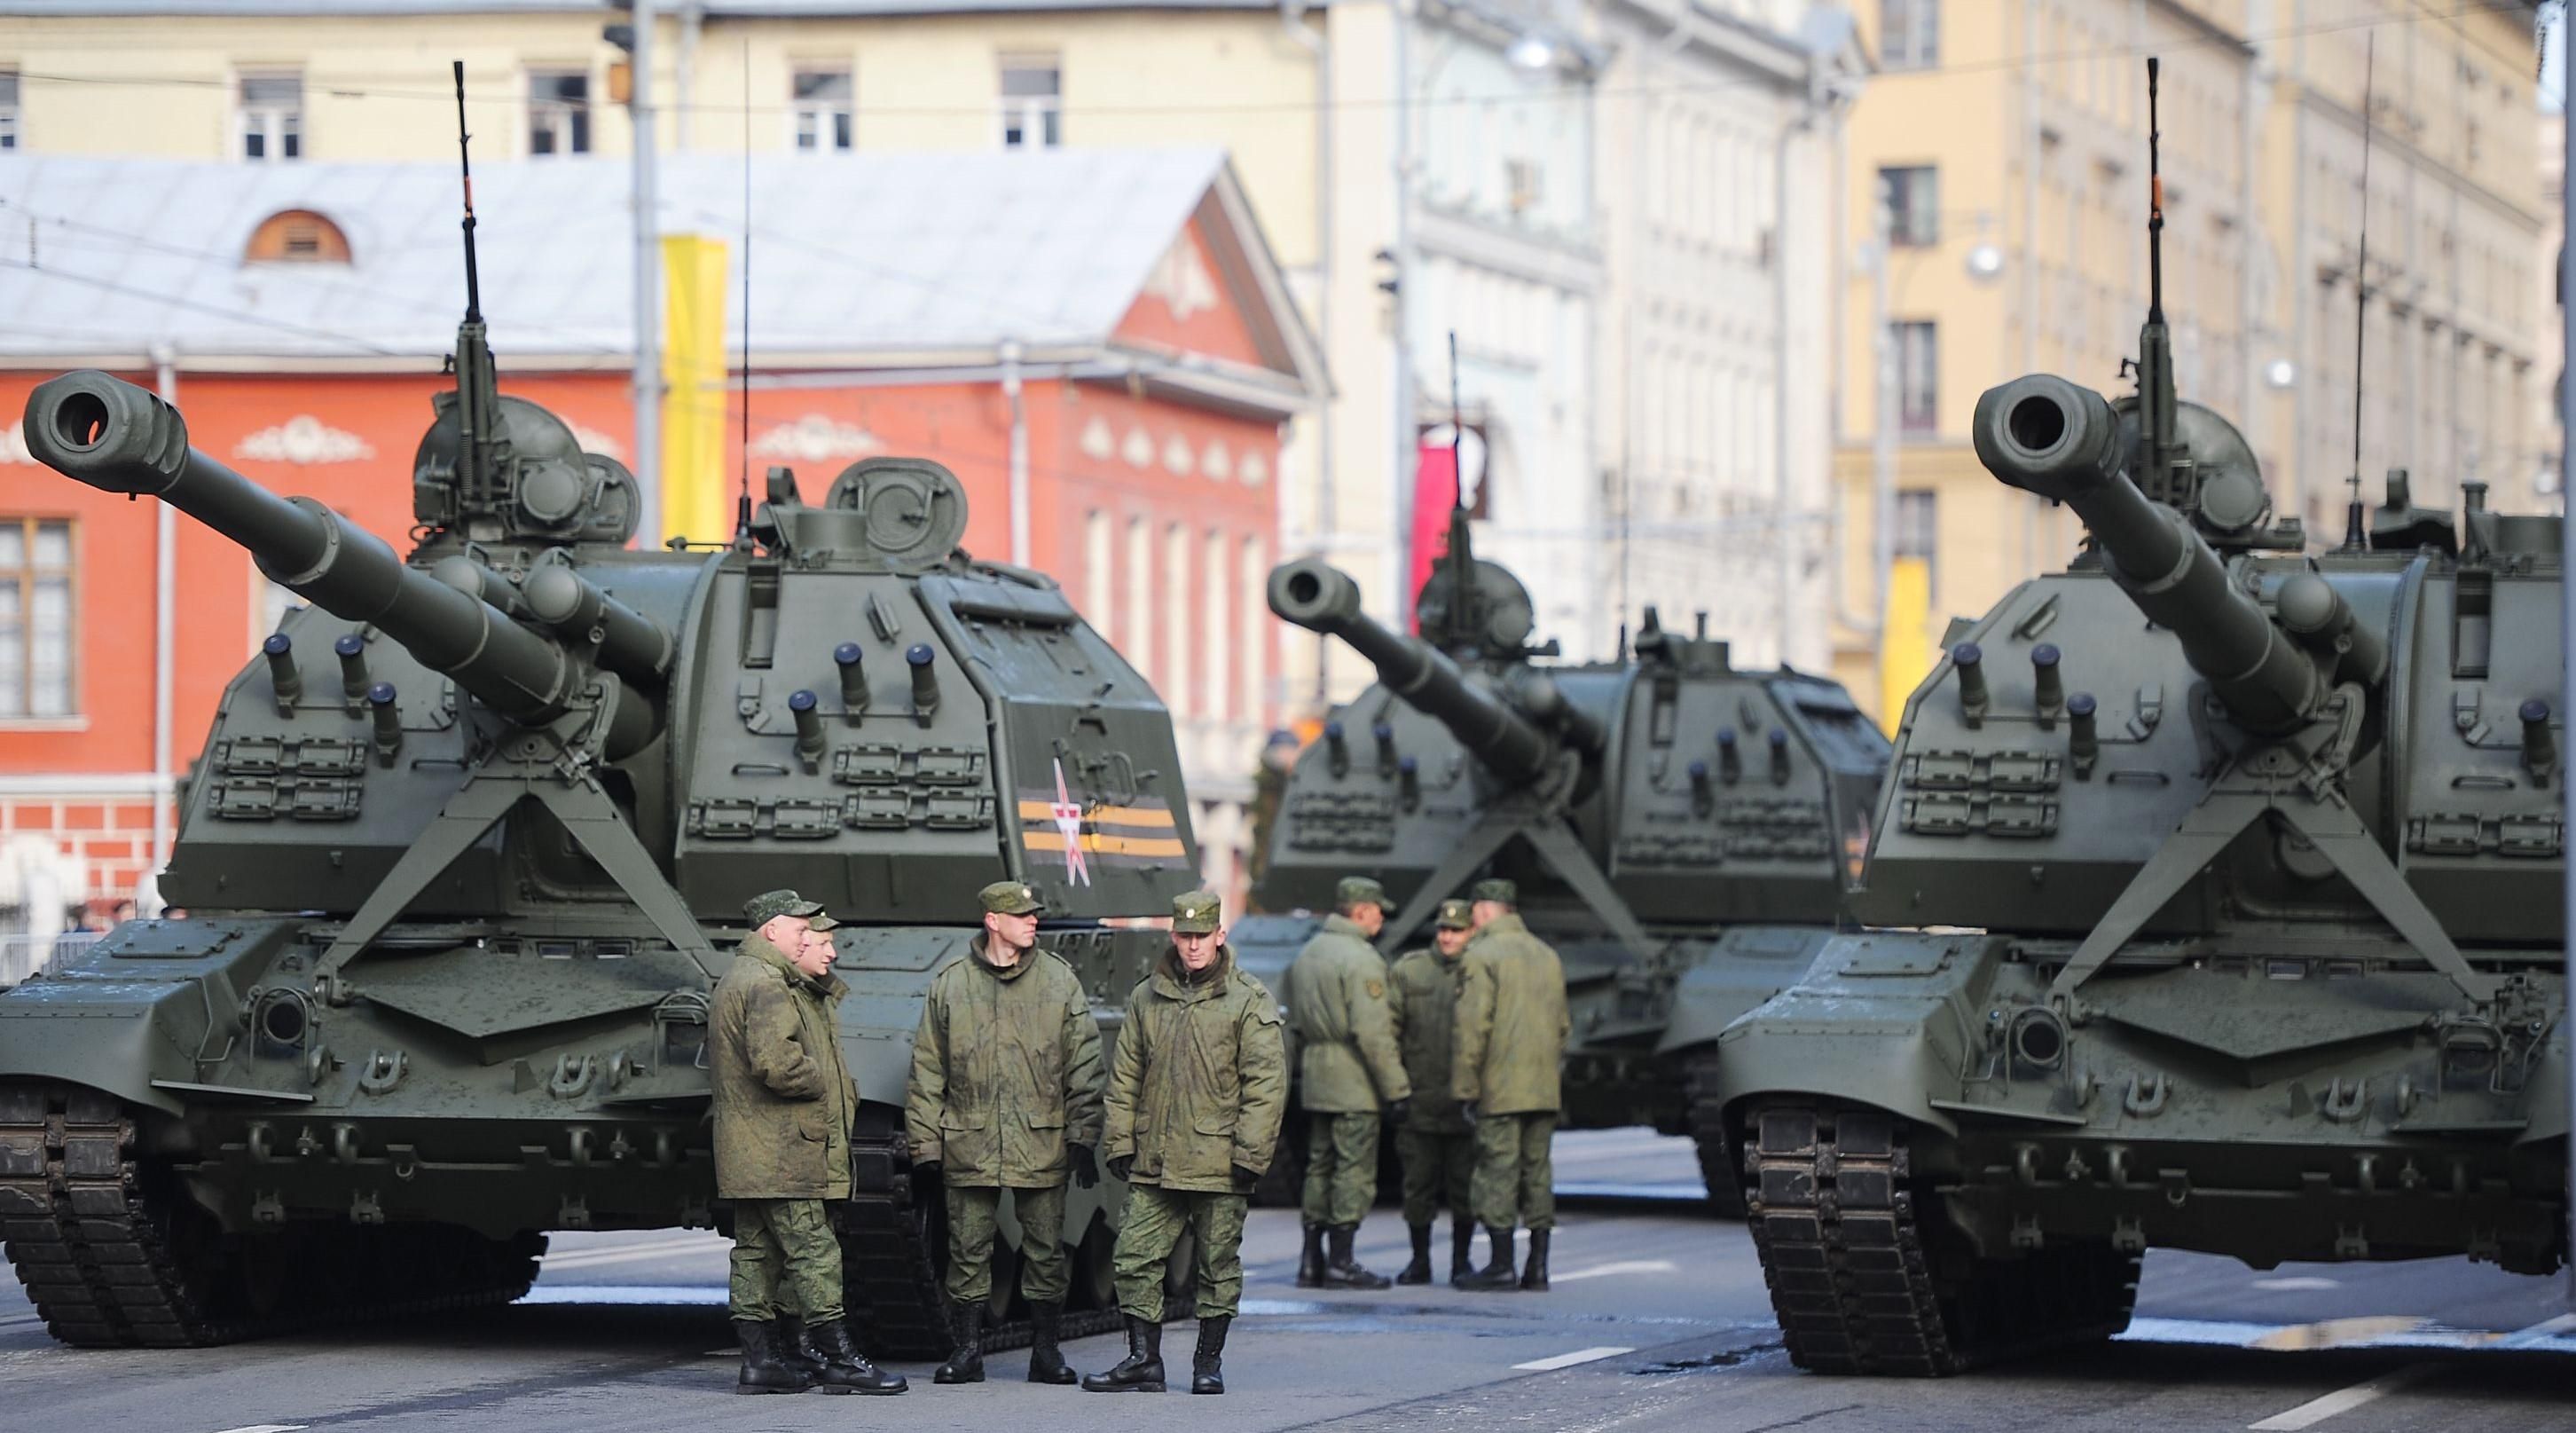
[
  {"x": 785, "y": 1260},
  {"x": 1439, "y": 1173},
  {"x": 1515, "y": 1170},
  {"x": 1341, "y": 1166},
  {"x": 975, "y": 1223},
  {"x": 1156, "y": 1218}
]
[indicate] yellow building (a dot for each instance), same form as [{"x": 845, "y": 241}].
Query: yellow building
[{"x": 2009, "y": 138}]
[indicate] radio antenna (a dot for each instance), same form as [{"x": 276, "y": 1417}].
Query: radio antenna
[
  {"x": 2355, "y": 523},
  {"x": 742, "y": 498},
  {"x": 2169, "y": 475},
  {"x": 465, "y": 166}
]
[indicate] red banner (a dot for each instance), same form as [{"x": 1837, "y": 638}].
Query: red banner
[{"x": 1435, "y": 492}]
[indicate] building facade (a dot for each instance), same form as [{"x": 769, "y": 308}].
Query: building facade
[
  {"x": 2007, "y": 146},
  {"x": 1110, "y": 389}
]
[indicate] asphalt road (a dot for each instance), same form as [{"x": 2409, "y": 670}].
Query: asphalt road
[{"x": 1657, "y": 1322}]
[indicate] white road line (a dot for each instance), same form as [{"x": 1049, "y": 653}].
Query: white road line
[
  {"x": 2300, "y": 1283},
  {"x": 2342, "y": 1400},
  {"x": 626, "y": 1254},
  {"x": 2540, "y": 1332},
  {"x": 1612, "y": 1271},
  {"x": 266, "y": 1428},
  {"x": 1569, "y": 1360}
]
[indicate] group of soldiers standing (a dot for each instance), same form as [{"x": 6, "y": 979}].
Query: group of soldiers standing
[{"x": 1458, "y": 1047}]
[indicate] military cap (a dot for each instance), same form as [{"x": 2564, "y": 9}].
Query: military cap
[
  {"x": 761, "y": 909},
  {"x": 1497, "y": 889},
  {"x": 1012, "y": 898},
  {"x": 1454, "y": 915},
  {"x": 1197, "y": 913},
  {"x": 1361, "y": 890}
]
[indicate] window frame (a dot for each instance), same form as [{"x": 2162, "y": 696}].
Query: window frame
[
  {"x": 834, "y": 121},
  {"x": 1016, "y": 112},
  {"x": 1913, "y": 195},
  {"x": 12, "y": 116},
  {"x": 576, "y": 111},
  {"x": 25, "y": 577},
  {"x": 1916, "y": 45},
  {"x": 1913, "y": 422},
  {"x": 277, "y": 128}
]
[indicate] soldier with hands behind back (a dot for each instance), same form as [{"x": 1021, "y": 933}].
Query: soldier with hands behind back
[
  {"x": 1196, "y": 1091},
  {"x": 1348, "y": 1067},
  {"x": 1437, "y": 1148},
  {"x": 1005, "y": 1095},
  {"x": 782, "y": 1101},
  {"x": 1512, "y": 1025}
]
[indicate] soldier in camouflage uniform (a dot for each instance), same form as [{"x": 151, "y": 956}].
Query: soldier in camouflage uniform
[
  {"x": 1437, "y": 1148},
  {"x": 1347, "y": 1068},
  {"x": 1196, "y": 1091},
  {"x": 1005, "y": 1095},
  {"x": 782, "y": 1099},
  {"x": 1512, "y": 1026}
]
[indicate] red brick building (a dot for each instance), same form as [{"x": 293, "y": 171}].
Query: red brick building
[{"x": 1140, "y": 362}]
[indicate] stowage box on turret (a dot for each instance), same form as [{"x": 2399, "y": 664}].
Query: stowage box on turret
[
  {"x": 1684, "y": 832},
  {"x": 2271, "y": 953},
  {"x": 469, "y": 843}
]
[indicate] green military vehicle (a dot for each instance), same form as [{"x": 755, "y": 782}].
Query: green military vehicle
[
  {"x": 2249, "y": 861},
  {"x": 1684, "y": 832},
  {"x": 467, "y": 848}
]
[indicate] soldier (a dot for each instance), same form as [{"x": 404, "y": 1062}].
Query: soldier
[
  {"x": 1347, "y": 1067},
  {"x": 1006, "y": 1095},
  {"x": 1436, "y": 1146},
  {"x": 782, "y": 1102},
  {"x": 1196, "y": 1091},
  {"x": 1511, "y": 1039}
]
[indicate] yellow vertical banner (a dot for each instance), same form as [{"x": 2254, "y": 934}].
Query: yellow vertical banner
[
  {"x": 693, "y": 396},
  {"x": 1905, "y": 643}
]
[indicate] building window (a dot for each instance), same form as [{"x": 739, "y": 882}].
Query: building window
[
  {"x": 1213, "y": 634},
  {"x": 558, "y": 112},
  {"x": 1252, "y": 646},
  {"x": 1032, "y": 102},
  {"x": 296, "y": 236},
  {"x": 1918, "y": 528},
  {"x": 36, "y": 617},
  {"x": 1136, "y": 620},
  {"x": 1918, "y": 378},
  {"x": 1523, "y": 178},
  {"x": 1909, "y": 34},
  {"x": 1177, "y": 693},
  {"x": 8, "y": 109},
  {"x": 1913, "y": 205},
  {"x": 1098, "y": 563},
  {"x": 821, "y": 104},
  {"x": 272, "y": 116}
]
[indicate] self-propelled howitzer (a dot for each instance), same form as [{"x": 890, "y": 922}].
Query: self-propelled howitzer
[
  {"x": 468, "y": 844},
  {"x": 2254, "y": 943},
  {"x": 1680, "y": 829}
]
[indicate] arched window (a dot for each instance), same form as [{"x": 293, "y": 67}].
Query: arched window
[{"x": 296, "y": 236}]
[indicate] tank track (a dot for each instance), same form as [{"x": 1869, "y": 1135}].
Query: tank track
[
  {"x": 1858, "y": 1286},
  {"x": 890, "y": 1265},
  {"x": 1718, "y": 1167},
  {"x": 111, "y": 1260}
]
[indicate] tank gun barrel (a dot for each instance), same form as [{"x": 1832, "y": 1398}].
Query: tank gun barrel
[
  {"x": 2062, "y": 441},
  {"x": 1322, "y": 598},
  {"x": 118, "y": 438}
]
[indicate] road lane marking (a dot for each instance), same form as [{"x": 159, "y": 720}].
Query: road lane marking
[
  {"x": 1569, "y": 1360},
  {"x": 2540, "y": 1332},
  {"x": 1612, "y": 1271},
  {"x": 266, "y": 1428},
  {"x": 2300, "y": 1284},
  {"x": 2342, "y": 1400},
  {"x": 632, "y": 1253}
]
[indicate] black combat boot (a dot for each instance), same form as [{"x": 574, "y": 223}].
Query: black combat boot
[
  {"x": 1141, "y": 1371},
  {"x": 1419, "y": 1271},
  {"x": 845, "y": 1369},
  {"x": 1462, "y": 1249},
  {"x": 795, "y": 1351},
  {"x": 966, "y": 1363},
  {"x": 1341, "y": 1271},
  {"x": 1207, "y": 1371},
  {"x": 1310, "y": 1262},
  {"x": 1498, "y": 1272},
  {"x": 763, "y": 1371},
  {"x": 1046, "y": 1361},
  {"x": 1534, "y": 1273}
]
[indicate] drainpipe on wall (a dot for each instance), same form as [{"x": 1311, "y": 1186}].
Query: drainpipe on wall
[
  {"x": 1019, "y": 453},
  {"x": 1781, "y": 483},
  {"x": 647, "y": 385},
  {"x": 1407, "y": 440},
  {"x": 165, "y": 631},
  {"x": 683, "y": 74}
]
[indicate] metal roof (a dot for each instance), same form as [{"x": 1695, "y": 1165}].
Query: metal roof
[{"x": 860, "y": 259}]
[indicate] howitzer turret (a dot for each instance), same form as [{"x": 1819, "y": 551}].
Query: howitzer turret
[
  {"x": 2064, "y": 442},
  {"x": 1679, "y": 829},
  {"x": 121, "y": 439},
  {"x": 2247, "y": 932}
]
